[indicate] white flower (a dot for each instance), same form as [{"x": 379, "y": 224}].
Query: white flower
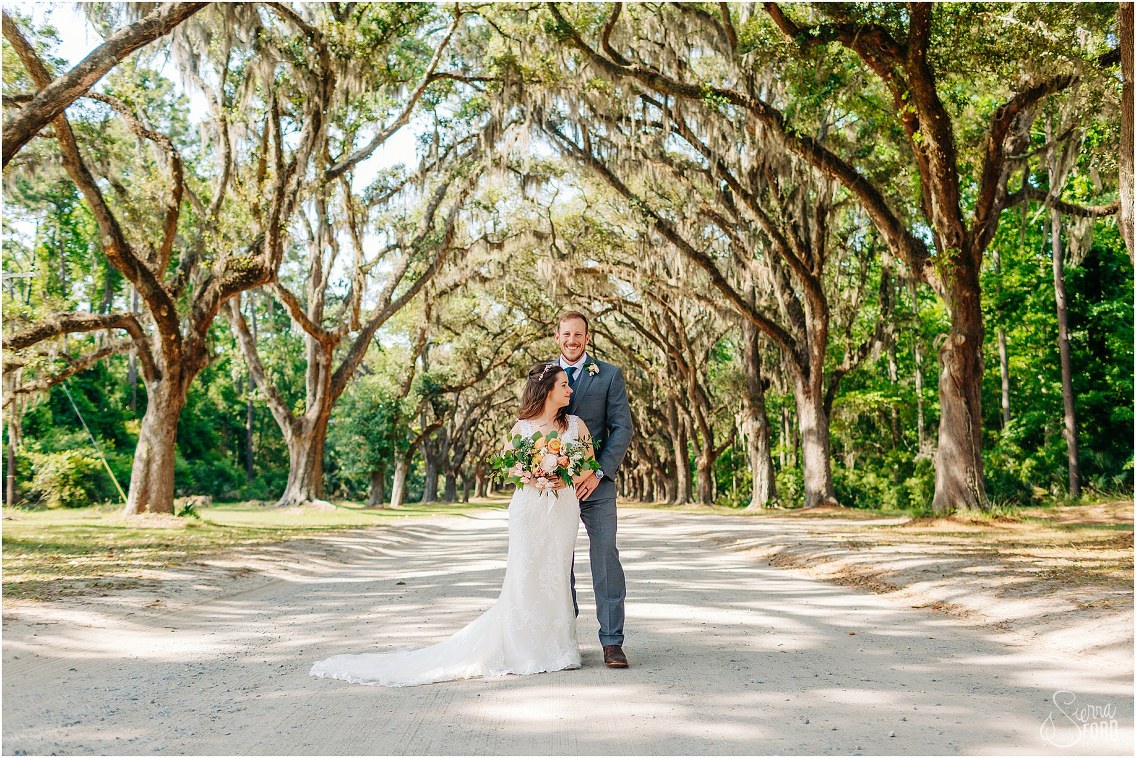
[
  {"x": 593, "y": 368},
  {"x": 517, "y": 470},
  {"x": 549, "y": 462}
]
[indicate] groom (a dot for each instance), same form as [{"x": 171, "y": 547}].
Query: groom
[{"x": 599, "y": 397}]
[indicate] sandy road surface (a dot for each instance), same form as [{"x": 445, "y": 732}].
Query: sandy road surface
[{"x": 729, "y": 656}]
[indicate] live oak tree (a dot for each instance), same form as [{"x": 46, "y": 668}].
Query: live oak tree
[
  {"x": 387, "y": 260},
  {"x": 182, "y": 287},
  {"x": 413, "y": 259}
]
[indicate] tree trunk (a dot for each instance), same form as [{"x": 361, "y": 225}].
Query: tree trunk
[
  {"x": 132, "y": 372},
  {"x": 152, "y": 477},
  {"x": 760, "y": 461},
  {"x": 1003, "y": 358},
  {"x": 705, "y": 465},
  {"x": 451, "y": 493},
  {"x": 398, "y": 486},
  {"x": 1004, "y": 370},
  {"x": 795, "y": 439},
  {"x": 1126, "y": 96},
  {"x": 64, "y": 285},
  {"x": 377, "y": 495},
  {"x": 305, "y": 461},
  {"x": 683, "y": 485},
  {"x": 132, "y": 380},
  {"x": 249, "y": 418},
  {"x": 670, "y": 486},
  {"x": 249, "y": 473},
  {"x": 10, "y": 463},
  {"x": 481, "y": 485},
  {"x": 959, "y": 479},
  {"x": 755, "y": 424},
  {"x": 921, "y": 423},
  {"x": 430, "y": 488},
  {"x": 783, "y": 446},
  {"x": 921, "y": 416},
  {"x": 893, "y": 378},
  {"x": 816, "y": 453},
  {"x": 1063, "y": 347}
]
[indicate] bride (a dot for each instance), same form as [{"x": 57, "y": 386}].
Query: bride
[{"x": 532, "y": 626}]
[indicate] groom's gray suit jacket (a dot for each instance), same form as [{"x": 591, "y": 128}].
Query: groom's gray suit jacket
[{"x": 601, "y": 401}]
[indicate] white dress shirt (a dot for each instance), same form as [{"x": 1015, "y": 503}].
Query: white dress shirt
[{"x": 578, "y": 365}]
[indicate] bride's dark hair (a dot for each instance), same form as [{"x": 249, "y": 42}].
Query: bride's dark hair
[{"x": 542, "y": 378}]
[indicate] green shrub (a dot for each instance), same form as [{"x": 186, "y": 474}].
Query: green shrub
[
  {"x": 899, "y": 484},
  {"x": 216, "y": 477},
  {"x": 66, "y": 479},
  {"x": 920, "y": 485},
  {"x": 791, "y": 487}
]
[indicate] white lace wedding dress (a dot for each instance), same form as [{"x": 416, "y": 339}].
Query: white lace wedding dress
[{"x": 529, "y": 629}]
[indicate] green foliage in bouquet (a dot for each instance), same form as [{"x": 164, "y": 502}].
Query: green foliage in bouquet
[{"x": 542, "y": 461}]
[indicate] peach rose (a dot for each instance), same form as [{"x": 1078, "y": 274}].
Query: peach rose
[
  {"x": 563, "y": 461},
  {"x": 554, "y": 445}
]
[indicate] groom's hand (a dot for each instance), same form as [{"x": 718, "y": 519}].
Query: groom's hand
[{"x": 587, "y": 486}]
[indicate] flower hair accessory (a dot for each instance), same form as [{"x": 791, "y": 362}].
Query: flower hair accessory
[{"x": 544, "y": 371}]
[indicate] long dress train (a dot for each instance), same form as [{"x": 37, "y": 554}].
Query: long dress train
[{"x": 529, "y": 629}]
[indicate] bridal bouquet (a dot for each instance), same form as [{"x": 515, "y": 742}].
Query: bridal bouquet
[{"x": 542, "y": 461}]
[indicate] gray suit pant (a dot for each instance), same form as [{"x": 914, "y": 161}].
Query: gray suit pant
[{"x": 608, "y": 582}]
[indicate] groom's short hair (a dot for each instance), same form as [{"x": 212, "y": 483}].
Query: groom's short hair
[{"x": 565, "y": 315}]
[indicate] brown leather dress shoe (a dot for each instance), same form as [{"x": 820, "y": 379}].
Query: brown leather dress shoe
[{"x": 614, "y": 657}]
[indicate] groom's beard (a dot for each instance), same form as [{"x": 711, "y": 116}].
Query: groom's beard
[{"x": 571, "y": 356}]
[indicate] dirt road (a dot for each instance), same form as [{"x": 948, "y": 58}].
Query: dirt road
[{"x": 729, "y": 656}]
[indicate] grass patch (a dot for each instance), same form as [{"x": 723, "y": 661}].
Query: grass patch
[{"x": 49, "y": 554}]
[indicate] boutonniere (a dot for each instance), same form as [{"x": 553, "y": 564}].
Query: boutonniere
[{"x": 592, "y": 367}]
